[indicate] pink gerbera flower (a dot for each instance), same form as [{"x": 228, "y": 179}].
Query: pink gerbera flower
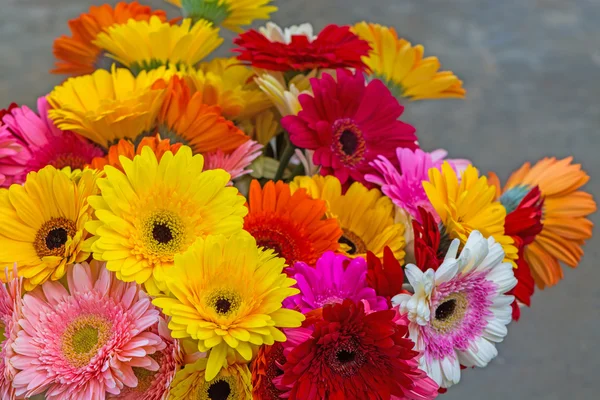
[
  {"x": 154, "y": 385},
  {"x": 334, "y": 279},
  {"x": 348, "y": 123},
  {"x": 402, "y": 181},
  {"x": 10, "y": 313},
  {"x": 237, "y": 162},
  {"x": 83, "y": 343},
  {"x": 36, "y": 142}
]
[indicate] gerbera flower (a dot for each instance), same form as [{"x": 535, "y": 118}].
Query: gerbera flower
[
  {"x": 294, "y": 225},
  {"x": 156, "y": 210},
  {"x": 107, "y": 106},
  {"x": 404, "y": 183},
  {"x": 239, "y": 313},
  {"x": 385, "y": 275},
  {"x": 154, "y": 385},
  {"x": 82, "y": 343},
  {"x": 185, "y": 117},
  {"x": 265, "y": 368},
  {"x": 148, "y": 44},
  {"x": 430, "y": 245},
  {"x": 402, "y": 67},
  {"x": 334, "y": 47},
  {"x": 42, "y": 227},
  {"x": 9, "y": 147},
  {"x": 468, "y": 205},
  {"x": 365, "y": 216},
  {"x": 348, "y": 125},
  {"x": 40, "y": 143},
  {"x": 77, "y": 54},
  {"x": 334, "y": 278},
  {"x": 236, "y": 163},
  {"x": 565, "y": 209},
  {"x": 231, "y": 14},
  {"x": 10, "y": 313},
  {"x": 232, "y": 382},
  {"x": 263, "y": 127},
  {"x": 351, "y": 355},
  {"x": 460, "y": 311},
  {"x": 284, "y": 94}
]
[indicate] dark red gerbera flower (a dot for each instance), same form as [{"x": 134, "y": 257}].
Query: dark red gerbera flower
[
  {"x": 349, "y": 355},
  {"x": 349, "y": 124},
  {"x": 523, "y": 224},
  {"x": 334, "y": 47},
  {"x": 385, "y": 277},
  {"x": 429, "y": 242},
  {"x": 265, "y": 368}
]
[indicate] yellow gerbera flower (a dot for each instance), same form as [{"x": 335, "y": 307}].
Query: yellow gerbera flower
[
  {"x": 282, "y": 93},
  {"x": 146, "y": 45},
  {"x": 233, "y": 382},
  {"x": 468, "y": 205},
  {"x": 42, "y": 227},
  {"x": 241, "y": 312},
  {"x": 403, "y": 68},
  {"x": 263, "y": 127},
  {"x": 107, "y": 106},
  {"x": 231, "y": 14},
  {"x": 365, "y": 216},
  {"x": 156, "y": 210}
]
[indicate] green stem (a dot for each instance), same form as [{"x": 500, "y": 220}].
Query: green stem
[{"x": 288, "y": 152}]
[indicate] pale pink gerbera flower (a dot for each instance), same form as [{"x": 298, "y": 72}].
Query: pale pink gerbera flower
[
  {"x": 10, "y": 313},
  {"x": 154, "y": 385},
  {"x": 83, "y": 343},
  {"x": 40, "y": 143},
  {"x": 404, "y": 185},
  {"x": 237, "y": 162}
]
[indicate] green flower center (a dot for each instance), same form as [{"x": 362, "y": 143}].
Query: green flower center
[{"x": 83, "y": 337}]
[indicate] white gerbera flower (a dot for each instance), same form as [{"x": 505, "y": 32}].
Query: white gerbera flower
[
  {"x": 274, "y": 33},
  {"x": 460, "y": 311}
]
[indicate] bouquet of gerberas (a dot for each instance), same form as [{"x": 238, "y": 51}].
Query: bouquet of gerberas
[{"x": 259, "y": 227}]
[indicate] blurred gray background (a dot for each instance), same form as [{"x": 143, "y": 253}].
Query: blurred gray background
[{"x": 532, "y": 72}]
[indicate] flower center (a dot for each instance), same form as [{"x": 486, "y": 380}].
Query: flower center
[
  {"x": 348, "y": 142},
  {"x": 68, "y": 160},
  {"x": 225, "y": 302},
  {"x": 83, "y": 337},
  {"x": 351, "y": 243},
  {"x": 221, "y": 388},
  {"x": 51, "y": 237},
  {"x": 2, "y": 334},
  {"x": 270, "y": 244},
  {"x": 346, "y": 359},
  {"x": 450, "y": 312},
  {"x": 163, "y": 233}
]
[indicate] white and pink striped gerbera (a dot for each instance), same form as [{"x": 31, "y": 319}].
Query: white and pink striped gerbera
[
  {"x": 83, "y": 342},
  {"x": 459, "y": 311},
  {"x": 10, "y": 313}
]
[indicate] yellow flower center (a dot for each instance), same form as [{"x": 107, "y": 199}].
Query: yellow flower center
[
  {"x": 51, "y": 237},
  {"x": 224, "y": 302},
  {"x": 83, "y": 337},
  {"x": 220, "y": 388},
  {"x": 163, "y": 233},
  {"x": 144, "y": 376},
  {"x": 450, "y": 312},
  {"x": 352, "y": 243}
]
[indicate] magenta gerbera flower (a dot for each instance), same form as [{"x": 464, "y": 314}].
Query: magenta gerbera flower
[
  {"x": 334, "y": 279},
  {"x": 10, "y": 313},
  {"x": 237, "y": 162},
  {"x": 83, "y": 342},
  {"x": 36, "y": 142},
  {"x": 348, "y": 123}
]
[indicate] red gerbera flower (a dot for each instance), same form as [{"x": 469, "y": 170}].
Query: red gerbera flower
[
  {"x": 428, "y": 250},
  {"x": 385, "y": 277},
  {"x": 265, "y": 368},
  {"x": 523, "y": 224},
  {"x": 293, "y": 225},
  {"x": 351, "y": 355},
  {"x": 334, "y": 47},
  {"x": 349, "y": 124}
]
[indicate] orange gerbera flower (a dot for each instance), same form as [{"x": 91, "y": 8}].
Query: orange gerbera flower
[
  {"x": 126, "y": 148},
  {"x": 565, "y": 209},
  {"x": 186, "y": 118},
  {"x": 76, "y": 54},
  {"x": 265, "y": 369},
  {"x": 293, "y": 225}
]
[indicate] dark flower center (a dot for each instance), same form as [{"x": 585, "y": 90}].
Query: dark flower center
[
  {"x": 219, "y": 390},
  {"x": 353, "y": 241},
  {"x": 349, "y": 142},
  {"x": 223, "y": 306},
  {"x": 56, "y": 238},
  {"x": 445, "y": 310},
  {"x": 345, "y": 356},
  {"x": 162, "y": 233},
  {"x": 270, "y": 244}
]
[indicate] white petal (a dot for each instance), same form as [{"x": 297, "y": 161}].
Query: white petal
[
  {"x": 479, "y": 354},
  {"x": 503, "y": 276},
  {"x": 413, "y": 274},
  {"x": 474, "y": 252},
  {"x": 494, "y": 257},
  {"x": 452, "y": 249},
  {"x": 451, "y": 370},
  {"x": 400, "y": 299},
  {"x": 446, "y": 271},
  {"x": 495, "y": 331}
]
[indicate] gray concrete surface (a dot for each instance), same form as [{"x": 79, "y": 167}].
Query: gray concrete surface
[{"x": 532, "y": 71}]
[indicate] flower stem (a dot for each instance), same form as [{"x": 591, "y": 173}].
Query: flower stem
[{"x": 287, "y": 154}]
